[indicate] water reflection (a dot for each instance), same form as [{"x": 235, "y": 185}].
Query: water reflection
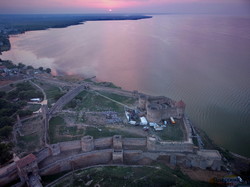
[{"x": 202, "y": 60}]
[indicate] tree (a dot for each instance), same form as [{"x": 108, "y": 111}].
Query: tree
[
  {"x": 30, "y": 67},
  {"x": 5, "y": 153},
  {"x": 2, "y": 94},
  {"x": 58, "y": 95},
  {"x": 5, "y": 132},
  {"x": 20, "y": 65},
  {"x": 6, "y": 121},
  {"x": 25, "y": 86},
  {"x": 23, "y": 113},
  {"x": 48, "y": 70},
  {"x": 40, "y": 68}
]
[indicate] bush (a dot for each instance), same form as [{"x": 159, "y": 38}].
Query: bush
[
  {"x": 5, "y": 132},
  {"x": 30, "y": 67},
  {"x": 23, "y": 113},
  {"x": 25, "y": 86},
  {"x": 5, "y": 153},
  {"x": 2, "y": 94},
  {"x": 27, "y": 95},
  {"x": 58, "y": 95},
  {"x": 6, "y": 121},
  {"x": 12, "y": 95},
  {"x": 48, "y": 70}
]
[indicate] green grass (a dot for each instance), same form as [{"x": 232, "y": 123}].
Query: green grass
[
  {"x": 107, "y": 132},
  {"x": 172, "y": 132},
  {"x": 29, "y": 142},
  {"x": 119, "y": 98},
  {"x": 59, "y": 132},
  {"x": 52, "y": 92},
  {"x": 158, "y": 176},
  {"x": 33, "y": 107},
  {"x": 89, "y": 101}
]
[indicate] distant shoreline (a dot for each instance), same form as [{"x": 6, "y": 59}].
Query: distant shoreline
[{"x": 19, "y": 24}]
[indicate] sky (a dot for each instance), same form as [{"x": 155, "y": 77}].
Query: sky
[{"x": 125, "y": 6}]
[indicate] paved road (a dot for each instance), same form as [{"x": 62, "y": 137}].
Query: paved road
[{"x": 66, "y": 98}]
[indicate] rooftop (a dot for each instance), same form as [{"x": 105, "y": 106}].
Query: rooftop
[{"x": 25, "y": 160}]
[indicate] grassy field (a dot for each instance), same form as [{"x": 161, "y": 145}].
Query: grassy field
[
  {"x": 107, "y": 132},
  {"x": 53, "y": 93},
  {"x": 119, "y": 98},
  {"x": 156, "y": 176},
  {"x": 59, "y": 132},
  {"x": 89, "y": 101},
  {"x": 33, "y": 107},
  {"x": 173, "y": 132},
  {"x": 29, "y": 142}
]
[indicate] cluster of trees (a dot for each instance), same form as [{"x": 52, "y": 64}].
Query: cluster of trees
[
  {"x": 24, "y": 91},
  {"x": 5, "y": 153},
  {"x": 14, "y": 101},
  {"x": 10, "y": 65}
]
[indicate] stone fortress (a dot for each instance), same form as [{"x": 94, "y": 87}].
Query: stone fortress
[
  {"x": 72, "y": 155},
  {"x": 161, "y": 108}
]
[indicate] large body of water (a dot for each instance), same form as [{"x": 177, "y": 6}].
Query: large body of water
[{"x": 204, "y": 60}]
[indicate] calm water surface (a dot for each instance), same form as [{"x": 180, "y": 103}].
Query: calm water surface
[{"x": 203, "y": 60}]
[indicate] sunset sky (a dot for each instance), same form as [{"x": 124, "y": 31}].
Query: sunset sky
[{"x": 130, "y": 6}]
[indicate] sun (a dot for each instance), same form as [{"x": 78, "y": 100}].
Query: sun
[{"x": 110, "y": 10}]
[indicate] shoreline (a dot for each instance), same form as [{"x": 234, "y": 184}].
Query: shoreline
[{"x": 24, "y": 23}]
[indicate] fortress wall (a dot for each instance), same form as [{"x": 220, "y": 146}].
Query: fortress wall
[
  {"x": 8, "y": 174},
  {"x": 153, "y": 145},
  {"x": 169, "y": 112},
  {"x": 71, "y": 145},
  {"x": 188, "y": 130},
  {"x": 131, "y": 156},
  {"x": 78, "y": 161},
  {"x": 101, "y": 143},
  {"x": 130, "y": 143},
  {"x": 174, "y": 147},
  {"x": 43, "y": 154}
]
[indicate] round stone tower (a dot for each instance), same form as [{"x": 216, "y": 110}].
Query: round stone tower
[
  {"x": 154, "y": 112},
  {"x": 142, "y": 101},
  {"x": 180, "y": 107},
  {"x": 87, "y": 143}
]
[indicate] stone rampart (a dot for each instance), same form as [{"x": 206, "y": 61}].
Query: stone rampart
[
  {"x": 154, "y": 145},
  {"x": 78, "y": 161},
  {"x": 102, "y": 143},
  {"x": 8, "y": 174},
  {"x": 43, "y": 154},
  {"x": 72, "y": 155},
  {"x": 134, "y": 143},
  {"x": 71, "y": 145},
  {"x": 132, "y": 156}
]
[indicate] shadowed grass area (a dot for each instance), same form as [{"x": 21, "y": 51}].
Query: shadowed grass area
[
  {"x": 107, "y": 132},
  {"x": 59, "y": 132},
  {"x": 119, "y": 98},
  {"x": 156, "y": 176},
  {"x": 173, "y": 132},
  {"x": 29, "y": 142},
  {"x": 90, "y": 101}
]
